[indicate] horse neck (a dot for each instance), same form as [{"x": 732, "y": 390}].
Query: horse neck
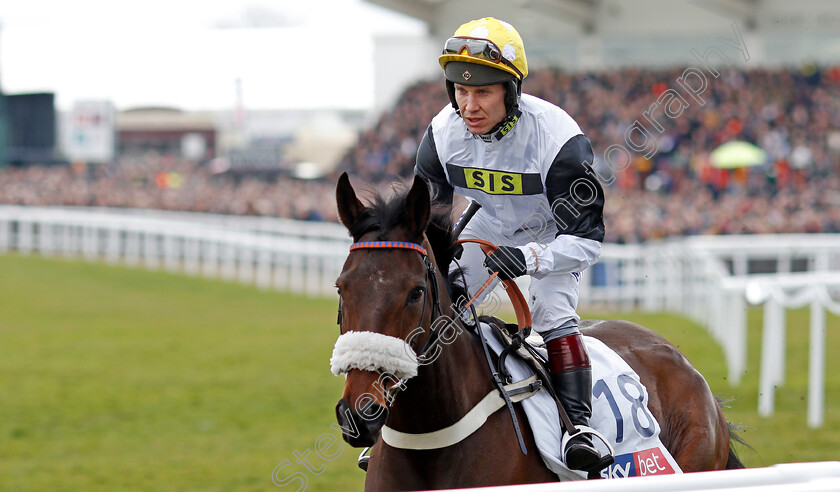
[{"x": 445, "y": 389}]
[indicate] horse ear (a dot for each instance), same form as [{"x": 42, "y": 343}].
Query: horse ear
[
  {"x": 349, "y": 207},
  {"x": 418, "y": 206}
]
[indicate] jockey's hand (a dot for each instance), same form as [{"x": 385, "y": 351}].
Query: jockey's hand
[{"x": 507, "y": 261}]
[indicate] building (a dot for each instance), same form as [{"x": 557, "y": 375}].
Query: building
[{"x": 167, "y": 131}]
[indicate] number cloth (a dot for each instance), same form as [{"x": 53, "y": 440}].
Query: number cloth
[{"x": 619, "y": 413}]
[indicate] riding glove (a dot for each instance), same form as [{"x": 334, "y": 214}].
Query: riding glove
[{"x": 507, "y": 261}]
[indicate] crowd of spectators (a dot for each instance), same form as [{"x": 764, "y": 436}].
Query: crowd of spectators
[
  {"x": 166, "y": 183},
  {"x": 666, "y": 187},
  {"x": 669, "y": 187}
]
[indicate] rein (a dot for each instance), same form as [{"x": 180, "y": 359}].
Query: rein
[{"x": 520, "y": 305}]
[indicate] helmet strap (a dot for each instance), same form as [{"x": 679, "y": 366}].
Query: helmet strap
[
  {"x": 450, "y": 89},
  {"x": 513, "y": 89}
]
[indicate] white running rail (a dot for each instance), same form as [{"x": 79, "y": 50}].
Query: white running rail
[
  {"x": 799, "y": 477},
  {"x": 709, "y": 279}
]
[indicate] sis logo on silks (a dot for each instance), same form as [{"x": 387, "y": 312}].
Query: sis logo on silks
[
  {"x": 638, "y": 464},
  {"x": 495, "y": 182}
]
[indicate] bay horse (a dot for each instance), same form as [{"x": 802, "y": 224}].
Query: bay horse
[{"x": 393, "y": 287}]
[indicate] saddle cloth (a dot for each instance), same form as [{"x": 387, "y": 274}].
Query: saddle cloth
[{"x": 619, "y": 413}]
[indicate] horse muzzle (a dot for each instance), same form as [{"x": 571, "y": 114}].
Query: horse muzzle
[
  {"x": 373, "y": 364},
  {"x": 360, "y": 430}
]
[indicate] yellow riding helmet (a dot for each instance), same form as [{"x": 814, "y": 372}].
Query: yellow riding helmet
[{"x": 489, "y": 42}]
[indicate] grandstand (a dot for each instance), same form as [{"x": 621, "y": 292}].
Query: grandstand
[
  {"x": 597, "y": 34},
  {"x": 767, "y": 72},
  {"x": 608, "y": 34}
]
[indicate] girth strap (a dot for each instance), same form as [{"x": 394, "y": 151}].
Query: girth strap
[{"x": 469, "y": 423}]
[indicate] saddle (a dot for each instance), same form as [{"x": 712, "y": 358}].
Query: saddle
[
  {"x": 513, "y": 338},
  {"x": 525, "y": 346}
]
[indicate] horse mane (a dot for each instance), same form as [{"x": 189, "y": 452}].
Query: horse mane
[
  {"x": 385, "y": 215},
  {"x": 443, "y": 241}
]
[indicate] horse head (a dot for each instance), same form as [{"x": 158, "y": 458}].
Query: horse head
[{"x": 388, "y": 294}]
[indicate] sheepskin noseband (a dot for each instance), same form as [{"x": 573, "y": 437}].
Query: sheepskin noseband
[{"x": 369, "y": 351}]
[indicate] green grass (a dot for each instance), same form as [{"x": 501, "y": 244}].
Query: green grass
[
  {"x": 122, "y": 379},
  {"x": 119, "y": 379}
]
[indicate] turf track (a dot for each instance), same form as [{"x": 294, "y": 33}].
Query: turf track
[{"x": 125, "y": 379}]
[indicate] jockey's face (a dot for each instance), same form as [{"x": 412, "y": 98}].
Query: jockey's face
[{"x": 482, "y": 106}]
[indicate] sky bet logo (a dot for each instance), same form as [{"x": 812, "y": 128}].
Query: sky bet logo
[{"x": 638, "y": 464}]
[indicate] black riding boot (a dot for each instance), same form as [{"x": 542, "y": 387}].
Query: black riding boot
[
  {"x": 571, "y": 377},
  {"x": 574, "y": 389}
]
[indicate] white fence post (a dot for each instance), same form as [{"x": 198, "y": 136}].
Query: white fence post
[
  {"x": 47, "y": 239},
  {"x": 25, "y": 237},
  {"x": 5, "y": 225},
  {"x": 151, "y": 250},
  {"x": 770, "y": 350},
  {"x": 263, "y": 273},
  {"x": 245, "y": 270},
  {"x": 90, "y": 248},
  {"x": 738, "y": 337},
  {"x": 192, "y": 256},
  {"x": 171, "y": 255},
  {"x": 132, "y": 248},
  {"x": 210, "y": 258},
  {"x": 816, "y": 365},
  {"x": 228, "y": 262}
]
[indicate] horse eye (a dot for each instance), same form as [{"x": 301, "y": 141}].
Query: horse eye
[{"x": 416, "y": 294}]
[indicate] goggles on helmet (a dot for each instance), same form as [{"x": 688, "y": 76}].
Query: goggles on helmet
[{"x": 478, "y": 48}]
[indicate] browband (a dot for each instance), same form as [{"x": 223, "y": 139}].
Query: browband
[{"x": 389, "y": 244}]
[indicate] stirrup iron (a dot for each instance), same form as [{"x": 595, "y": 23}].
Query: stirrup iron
[
  {"x": 364, "y": 459},
  {"x": 605, "y": 460}
]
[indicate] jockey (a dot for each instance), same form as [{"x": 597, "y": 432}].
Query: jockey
[{"x": 528, "y": 164}]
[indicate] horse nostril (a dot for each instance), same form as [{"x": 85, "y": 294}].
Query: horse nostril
[
  {"x": 342, "y": 412},
  {"x": 359, "y": 430}
]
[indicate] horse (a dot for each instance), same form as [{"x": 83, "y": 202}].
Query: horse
[{"x": 394, "y": 287}]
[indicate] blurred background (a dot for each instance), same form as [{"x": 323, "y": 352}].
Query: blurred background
[
  {"x": 205, "y": 139},
  {"x": 239, "y": 95}
]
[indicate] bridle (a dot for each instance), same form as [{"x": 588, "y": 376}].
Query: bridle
[
  {"x": 431, "y": 287},
  {"x": 434, "y": 338}
]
